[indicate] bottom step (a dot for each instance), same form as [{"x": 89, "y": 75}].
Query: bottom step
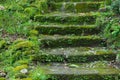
[{"x": 100, "y": 70}]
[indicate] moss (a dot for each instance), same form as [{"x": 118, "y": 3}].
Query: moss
[
  {"x": 18, "y": 68},
  {"x": 20, "y": 76},
  {"x": 22, "y": 62},
  {"x": 21, "y": 44},
  {"x": 31, "y": 11},
  {"x": 48, "y": 58},
  {"x": 2, "y": 43},
  {"x": 21, "y": 49},
  {"x": 74, "y": 19},
  {"x": 65, "y": 41},
  {"x": 42, "y": 5},
  {"x": 2, "y": 78},
  {"x": 27, "y": 79},
  {"x": 69, "y": 8},
  {"x": 84, "y": 77},
  {"x": 66, "y": 29},
  {"x": 24, "y": 44},
  {"x": 86, "y": 7},
  {"x": 77, "y": 7},
  {"x": 108, "y": 2},
  {"x": 33, "y": 33},
  {"x": 74, "y": 58},
  {"x": 102, "y": 52},
  {"x": 74, "y": 0}
]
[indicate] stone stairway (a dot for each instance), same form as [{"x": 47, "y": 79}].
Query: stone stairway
[{"x": 71, "y": 46}]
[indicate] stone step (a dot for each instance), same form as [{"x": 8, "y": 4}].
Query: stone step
[
  {"x": 70, "y": 40},
  {"x": 100, "y": 70},
  {"x": 67, "y": 18},
  {"x": 76, "y": 54},
  {"x": 76, "y": 7},
  {"x": 76, "y": 0},
  {"x": 68, "y": 29}
]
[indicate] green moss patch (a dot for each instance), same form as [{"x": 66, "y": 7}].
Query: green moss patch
[
  {"x": 95, "y": 70},
  {"x": 76, "y": 54},
  {"x": 87, "y": 18},
  {"x": 85, "y": 77},
  {"x": 75, "y": 0},
  {"x": 76, "y": 6},
  {"x": 67, "y": 29},
  {"x": 65, "y": 41}
]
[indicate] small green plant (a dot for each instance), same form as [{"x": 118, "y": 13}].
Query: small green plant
[{"x": 37, "y": 74}]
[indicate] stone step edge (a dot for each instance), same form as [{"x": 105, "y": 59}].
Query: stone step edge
[
  {"x": 67, "y": 29},
  {"x": 46, "y": 57},
  {"x": 67, "y": 41}
]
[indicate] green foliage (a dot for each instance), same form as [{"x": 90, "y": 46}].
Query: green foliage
[
  {"x": 19, "y": 14},
  {"x": 112, "y": 33},
  {"x": 116, "y": 6},
  {"x": 18, "y": 55},
  {"x": 37, "y": 74},
  {"x": 42, "y": 4},
  {"x": 2, "y": 79},
  {"x": 17, "y": 18},
  {"x": 103, "y": 19},
  {"x": 13, "y": 22},
  {"x": 108, "y": 2},
  {"x": 108, "y": 22},
  {"x": 2, "y": 43},
  {"x": 21, "y": 49}
]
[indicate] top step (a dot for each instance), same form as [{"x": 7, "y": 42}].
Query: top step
[
  {"x": 75, "y": 7},
  {"x": 75, "y": 0}
]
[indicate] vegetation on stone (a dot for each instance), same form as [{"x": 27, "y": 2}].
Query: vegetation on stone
[{"x": 59, "y": 39}]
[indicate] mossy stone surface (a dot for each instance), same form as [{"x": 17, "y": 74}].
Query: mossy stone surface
[
  {"x": 95, "y": 70},
  {"x": 76, "y": 54},
  {"x": 67, "y": 41},
  {"x": 70, "y": 18},
  {"x": 76, "y": 7},
  {"x": 75, "y": 0},
  {"x": 67, "y": 29}
]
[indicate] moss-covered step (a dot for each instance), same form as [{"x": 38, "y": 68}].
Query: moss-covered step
[
  {"x": 70, "y": 40},
  {"x": 68, "y": 18},
  {"x": 76, "y": 7},
  {"x": 76, "y": 54},
  {"x": 91, "y": 71},
  {"x": 74, "y": 0},
  {"x": 68, "y": 29}
]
